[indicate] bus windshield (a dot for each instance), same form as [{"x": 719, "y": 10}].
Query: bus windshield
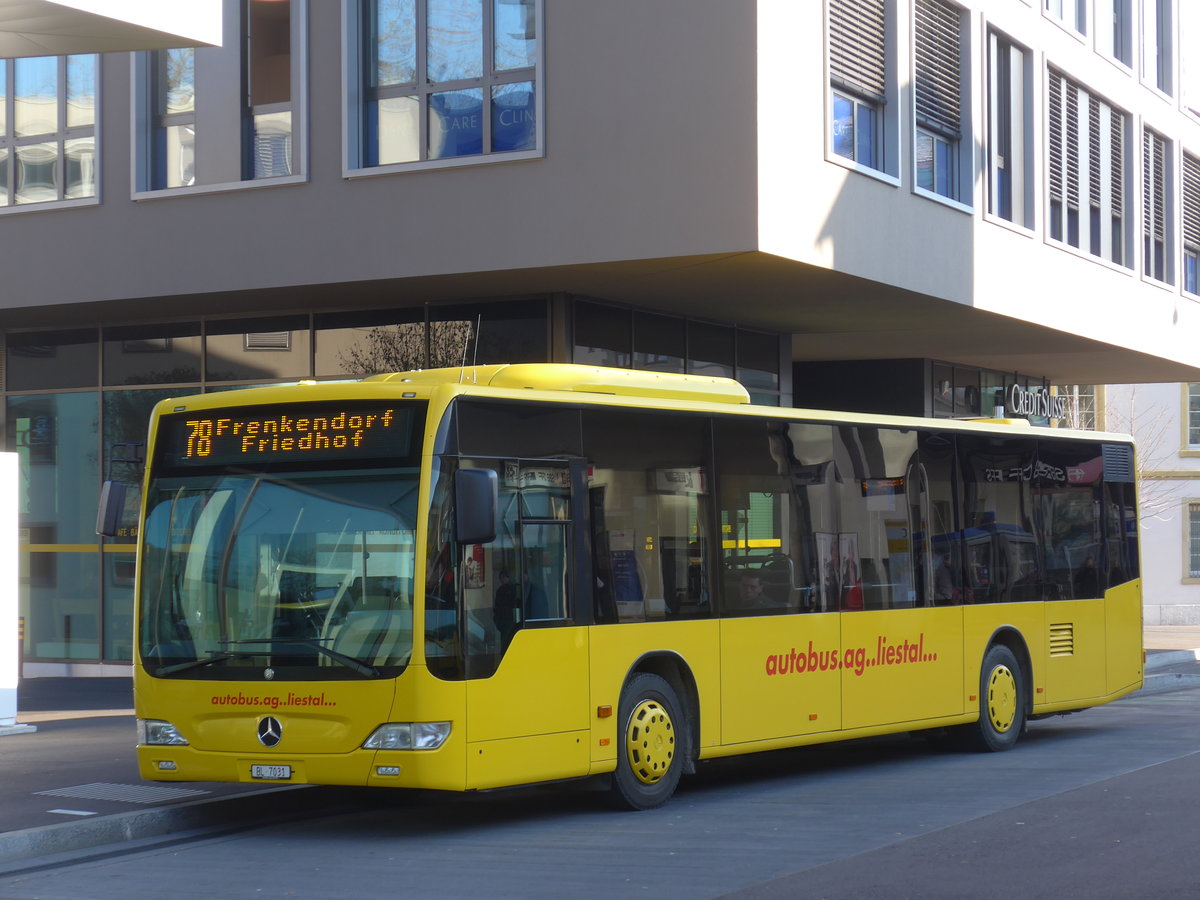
[{"x": 303, "y": 576}]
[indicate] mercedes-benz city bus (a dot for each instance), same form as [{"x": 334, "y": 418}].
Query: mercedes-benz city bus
[{"x": 473, "y": 578}]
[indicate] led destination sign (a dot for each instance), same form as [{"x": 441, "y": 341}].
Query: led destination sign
[{"x": 295, "y": 432}]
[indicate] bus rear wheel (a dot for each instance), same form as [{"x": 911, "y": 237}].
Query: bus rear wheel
[
  {"x": 650, "y": 743},
  {"x": 1002, "y": 702}
]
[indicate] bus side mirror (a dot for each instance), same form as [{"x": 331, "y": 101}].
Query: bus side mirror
[
  {"x": 475, "y": 495},
  {"x": 112, "y": 505}
]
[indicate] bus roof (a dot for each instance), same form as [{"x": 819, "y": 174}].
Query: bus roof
[{"x": 586, "y": 379}]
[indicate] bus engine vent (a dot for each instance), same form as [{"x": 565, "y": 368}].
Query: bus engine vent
[
  {"x": 1118, "y": 463},
  {"x": 1062, "y": 639}
]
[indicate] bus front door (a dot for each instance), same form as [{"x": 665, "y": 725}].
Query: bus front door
[{"x": 527, "y": 710}]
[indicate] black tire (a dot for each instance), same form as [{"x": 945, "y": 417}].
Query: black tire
[
  {"x": 651, "y": 742},
  {"x": 1003, "y": 702}
]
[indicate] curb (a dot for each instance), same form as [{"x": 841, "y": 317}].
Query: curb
[
  {"x": 37, "y": 847},
  {"x": 1169, "y": 681}
]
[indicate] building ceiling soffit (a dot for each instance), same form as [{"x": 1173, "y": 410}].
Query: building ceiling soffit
[{"x": 45, "y": 28}]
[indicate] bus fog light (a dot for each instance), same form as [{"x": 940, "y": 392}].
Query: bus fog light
[
  {"x": 160, "y": 733},
  {"x": 408, "y": 736},
  {"x": 387, "y": 770},
  {"x": 166, "y": 765}
]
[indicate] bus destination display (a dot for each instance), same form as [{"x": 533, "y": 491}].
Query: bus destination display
[{"x": 310, "y": 432}]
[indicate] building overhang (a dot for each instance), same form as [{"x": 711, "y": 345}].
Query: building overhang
[
  {"x": 46, "y": 28},
  {"x": 830, "y": 315}
]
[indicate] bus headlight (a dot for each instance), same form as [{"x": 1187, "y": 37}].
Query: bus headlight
[
  {"x": 158, "y": 732},
  {"x": 408, "y": 736}
]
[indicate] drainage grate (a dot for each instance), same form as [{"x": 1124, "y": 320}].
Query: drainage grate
[{"x": 123, "y": 793}]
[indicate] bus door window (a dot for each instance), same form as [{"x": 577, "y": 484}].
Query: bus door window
[
  {"x": 648, "y": 488},
  {"x": 939, "y": 463},
  {"x": 880, "y": 536}
]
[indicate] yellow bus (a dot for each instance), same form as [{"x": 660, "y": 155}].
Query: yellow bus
[{"x": 468, "y": 579}]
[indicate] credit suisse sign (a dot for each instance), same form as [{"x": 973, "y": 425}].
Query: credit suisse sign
[{"x": 1022, "y": 401}]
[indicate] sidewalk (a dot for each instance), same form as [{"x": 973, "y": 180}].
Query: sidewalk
[{"x": 1171, "y": 637}]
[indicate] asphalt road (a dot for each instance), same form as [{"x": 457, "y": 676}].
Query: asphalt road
[{"x": 1099, "y": 804}]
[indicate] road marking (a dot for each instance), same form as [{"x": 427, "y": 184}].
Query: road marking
[{"x": 123, "y": 793}]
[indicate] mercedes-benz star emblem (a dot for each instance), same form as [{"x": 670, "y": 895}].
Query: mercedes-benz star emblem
[{"x": 270, "y": 732}]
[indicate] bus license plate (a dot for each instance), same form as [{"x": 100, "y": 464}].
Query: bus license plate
[{"x": 273, "y": 773}]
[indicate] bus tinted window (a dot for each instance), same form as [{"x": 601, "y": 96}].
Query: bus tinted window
[
  {"x": 1121, "y": 533},
  {"x": 1002, "y": 559},
  {"x": 517, "y": 430},
  {"x": 1066, "y": 488},
  {"x": 768, "y": 556},
  {"x": 881, "y": 550},
  {"x": 648, "y": 496},
  {"x": 941, "y": 519}
]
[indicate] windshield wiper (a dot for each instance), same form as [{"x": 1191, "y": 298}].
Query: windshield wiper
[
  {"x": 214, "y": 657},
  {"x": 336, "y": 655}
]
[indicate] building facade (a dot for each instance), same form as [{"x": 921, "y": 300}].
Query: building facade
[
  {"x": 917, "y": 206},
  {"x": 1165, "y": 419}
]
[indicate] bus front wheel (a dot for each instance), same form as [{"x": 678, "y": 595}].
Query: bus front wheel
[
  {"x": 1002, "y": 701},
  {"x": 650, "y": 743}
]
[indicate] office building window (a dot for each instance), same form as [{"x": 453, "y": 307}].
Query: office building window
[
  {"x": 48, "y": 129},
  {"x": 1193, "y": 540},
  {"x": 1086, "y": 159},
  {"x": 1191, "y": 224},
  {"x": 858, "y": 80},
  {"x": 1193, "y": 416},
  {"x": 939, "y": 98},
  {"x": 1117, "y": 41},
  {"x": 221, "y": 115},
  {"x": 1008, "y": 156},
  {"x": 1157, "y": 45},
  {"x": 1080, "y": 405},
  {"x": 444, "y": 79},
  {"x": 1072, "y": 13},
  {"x": 1156, "y": 220}
]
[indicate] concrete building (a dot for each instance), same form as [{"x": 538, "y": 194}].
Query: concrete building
[{"x": 919, "y": 206}]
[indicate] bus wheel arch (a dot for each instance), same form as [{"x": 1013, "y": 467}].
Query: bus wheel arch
[
  {"x": 1005, "y": 698},
  {"x": 655, "y": 732}
]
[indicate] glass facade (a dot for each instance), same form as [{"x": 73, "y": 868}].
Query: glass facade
[
  {"x": 621, "y": 337},
  {"x": 77, "y": 402}
]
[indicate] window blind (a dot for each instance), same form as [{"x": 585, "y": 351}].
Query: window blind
[
  {"x": 1154, "y": 217},
  {"x": 857, "y": 52},
  {"x": 1191, "y": 201},
  {"x": 938, "y": 66}
]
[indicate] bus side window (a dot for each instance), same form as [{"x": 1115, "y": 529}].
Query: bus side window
[
  {"x": 1004, "y": 561},
  {"x": 648, "y": 496},
  {"x": 773, "y": 496}
]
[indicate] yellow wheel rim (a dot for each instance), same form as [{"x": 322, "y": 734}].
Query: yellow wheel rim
[
  {"x": 649, "y": 741},
  {"x": 1002, "y": 698}
]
